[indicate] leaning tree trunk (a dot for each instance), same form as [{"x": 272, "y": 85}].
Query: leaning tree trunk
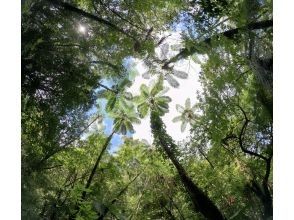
[
  {"x": 90, "y": 179},
  {"x": 201, "y": 202},
  {"x": 106, "y": 210}
]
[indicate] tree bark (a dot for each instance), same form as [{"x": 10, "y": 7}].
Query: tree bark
[
  {"x": 93, "y": 171},
  {"x": 90, "y": 179},
  {"x": 102, "y": 216},
  {"x": 201, "y": 202}
]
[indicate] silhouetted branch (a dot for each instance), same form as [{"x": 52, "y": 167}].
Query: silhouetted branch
[{"x": 228, "y": 34}]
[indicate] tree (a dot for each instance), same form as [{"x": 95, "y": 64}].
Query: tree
[
  {"x": 158, "y": 105},
  {"x": 122, "y": 123},
  {"x": 76, "y": 58}
]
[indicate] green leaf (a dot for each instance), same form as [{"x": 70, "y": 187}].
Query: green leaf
[
  {"x": 135, "y": 120},
  {"x": 165, "y": 99},
  {"x": 144, "y": 90},
  {"x": 143, "y": 109},
  {"x": 158, "y": 86},
  {"x": 110, "y": 104},
  {"x": 138, "y": 99},
  {"x": 123, "y": 129},
  {"x": 172, "y": 81},
  {"x": 177, "y": 119},
  {"x": 129, "y": 126},
  {"x": 180, "y": 74},
  {"x": 125, "y": 104},
  {"x": 180, "y": 108},
  {"x": 124, "y": 83},
  {"x": 183, "y": 126},
  {"x": 188, "y": 103},
  {"x": 163, "y": 104}
]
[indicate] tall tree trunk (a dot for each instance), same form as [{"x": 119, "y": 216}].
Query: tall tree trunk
[
  {"x": 102, "y": 216},
  {"x": 90, "y": 179},
  {"x": 201, "y": 202}
]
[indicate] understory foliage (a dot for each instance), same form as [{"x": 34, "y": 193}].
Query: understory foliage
[{"x": 78, "y": 64}]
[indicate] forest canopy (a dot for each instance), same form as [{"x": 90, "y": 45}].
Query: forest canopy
[{"x": 79, "y": 61}]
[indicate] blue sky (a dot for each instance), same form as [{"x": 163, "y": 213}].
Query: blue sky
[{"x": 116, "y": 140}]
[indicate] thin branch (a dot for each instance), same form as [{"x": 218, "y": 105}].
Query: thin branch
[
  {"x": 66, "y": 144},
  {"x": 228, "y": 34},
  {"x": 89, "y": 181},
  {"x": 105, "y": 87},
  {"x": 118, "y": 15},
  {"x": 206, "y": 158},
  {"x": 241, "y": 135},
  {"x": 117, "y": 196},
  {"x": 76, "y": 10},
  {"x": 113, "y": 66}
]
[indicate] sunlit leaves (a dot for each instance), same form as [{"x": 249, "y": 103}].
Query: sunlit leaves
[
  {"x": 144, "y": 90},
  {"x": 152, "y": 99},
  {"x": 187, "y": 116},
  {"x": 188, "y": 103},
  {"x": 157, "y": 87},
  {"x": 124, "y": 120},
  {"x": 183, "y": 126},
  {"x": 143, "y": 109},
  {"x": 180, "y": 108},
  {"x": 172, "y": 81},
  {"x": 177, "y": 118},
  {"x": 180, "y": 74}
]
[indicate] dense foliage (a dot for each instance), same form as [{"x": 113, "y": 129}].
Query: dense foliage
[{"x": 77, "y": 68}]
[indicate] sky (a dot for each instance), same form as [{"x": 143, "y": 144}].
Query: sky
[{"x": 187, "y": 89}]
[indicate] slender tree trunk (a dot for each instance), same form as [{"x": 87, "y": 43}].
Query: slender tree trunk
[
  {"x": 102, "y": 216},
  {"x": 201, "y": 202},
  {"x": 90, "y": 179}
]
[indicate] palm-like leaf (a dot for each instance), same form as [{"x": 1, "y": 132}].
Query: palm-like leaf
[
  {"x": 180, "y": 108},
  {"x": 172, "y": 81},
  {"x": 120, "y": 97},
  {"x": 183, "y": 126},
  {"x": 188, "y": 104},
  {"x": 177, "y": 118},
  {"x": 157, "y": 86},
  {"x": 187, "y": 114},
  {"x": 124, "y": 120},
  {"x": 180, "y": 74},
  {"x": 143, "y": 109},
  {"x": 144, "y": 90},
  {"x": 164, "y": 51},
  {"x": 150, "y": 98}
]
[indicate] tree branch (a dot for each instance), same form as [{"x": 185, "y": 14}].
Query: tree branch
[
  {"x": 228, "y": 34},
  {"x": 76, "y": 10},
  {"x": 242, "y": 133},
  {"x": 66, "y": 144},
  {"x": 105, "y": 87},
  {"x": 113, "y": 66}
]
